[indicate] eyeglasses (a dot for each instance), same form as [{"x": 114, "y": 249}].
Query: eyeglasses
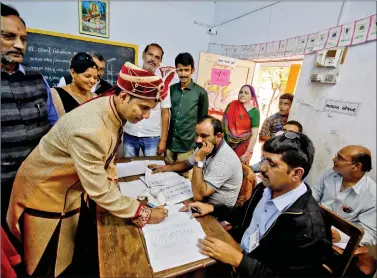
[{"x": 291, "y": 135}]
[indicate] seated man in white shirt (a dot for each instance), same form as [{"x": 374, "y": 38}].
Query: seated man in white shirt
[
  {"x": 347, "y": 190},
  {"x": 149, "y": 135},
  {"x": 217, "y": 174}
]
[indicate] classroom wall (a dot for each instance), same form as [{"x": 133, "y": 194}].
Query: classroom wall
[
  {"x": 170, "y": 24},
  {"x": 329, "y": 131}
]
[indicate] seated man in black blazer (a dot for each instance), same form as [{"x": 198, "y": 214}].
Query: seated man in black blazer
[
  {"x": 101, "y": 86},
  {"x": 284, "y": 233}
]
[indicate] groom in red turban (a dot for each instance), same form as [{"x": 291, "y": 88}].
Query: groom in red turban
[{"x": 76, "y": 159}]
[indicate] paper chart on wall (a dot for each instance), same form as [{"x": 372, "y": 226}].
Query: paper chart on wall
[
  {"x": 172, "y": 242},
  {"x": 262, "y": 50},
  {"x": 282, "y": 48},
  {"x": 334, "y": 35},
  {"x": 321, "y": 40},
  {"x": 346, "y": 34},
  {"x": 361, "y": 31},
  {"x": 302, "y": 41},
  {"x": 252, "y": 51},
  {"x": 291, "y": 44},
  {"x": 256, "y": 51},
  {"x": 275, "y": 49},
  {"x": 268, "y": 49},
  {"x": 372, "y": 28},
  {"x": 311, "y": 43}
]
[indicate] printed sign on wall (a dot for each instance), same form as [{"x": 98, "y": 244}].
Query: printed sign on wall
[
  {"x": 361, "y": 31},
  {"x": 372, "y": 28},
  {"x": 337, "y": 106},
  {"x": 334, "y": 34}
]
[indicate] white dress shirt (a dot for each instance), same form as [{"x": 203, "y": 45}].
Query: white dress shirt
[
  {"x": 266, "y": 213},
  {"x": 360, "y": 199},
  {"x": 149, "y": 127}
]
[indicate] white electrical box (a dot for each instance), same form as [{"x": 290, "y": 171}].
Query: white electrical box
[{"x": 329, "y": 58}]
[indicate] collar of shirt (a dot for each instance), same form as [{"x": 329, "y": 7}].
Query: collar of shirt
[
  {"x": 94, "y": 88},
  {"x": 356, "y": 188},
  {"x": 19, "y": 69},
  {"x": 286, "y": 200},
  {"x": 189, "y": 87}
]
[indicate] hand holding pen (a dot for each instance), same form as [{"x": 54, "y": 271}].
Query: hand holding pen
[{"x": 198, "y": 209}]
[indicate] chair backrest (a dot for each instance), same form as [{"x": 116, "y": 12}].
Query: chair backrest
[
  {"x": 249, "y": 182},
  {"x": 338, "y": 263}
]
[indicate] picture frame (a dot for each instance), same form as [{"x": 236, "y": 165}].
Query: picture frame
[{"x": 94, "y": 18}]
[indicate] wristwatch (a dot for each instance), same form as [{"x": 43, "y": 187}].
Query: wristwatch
[{"x": 199, "y": 164}]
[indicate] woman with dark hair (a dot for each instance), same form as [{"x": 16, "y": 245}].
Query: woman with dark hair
[
  {"x": 241, "y": 123},
  {"x": 84, "y": 72}
]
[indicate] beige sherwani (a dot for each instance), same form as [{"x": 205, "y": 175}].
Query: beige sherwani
[{"x": 69, "y": 160}]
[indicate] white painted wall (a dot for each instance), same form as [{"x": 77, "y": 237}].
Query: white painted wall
[
  {"x": 329, "y": 132},
  {"x": 170, "y": 24}
]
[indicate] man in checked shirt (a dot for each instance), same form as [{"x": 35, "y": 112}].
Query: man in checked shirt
[{"x": 275, "y": 122}]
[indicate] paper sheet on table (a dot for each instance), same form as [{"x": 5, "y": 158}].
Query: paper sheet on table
[
  {"x": 174, "y": 187},
  {"x": 132, "y": 188},
  {"x": 136, "y": 167},
  {"x": 172, "y": 242}
]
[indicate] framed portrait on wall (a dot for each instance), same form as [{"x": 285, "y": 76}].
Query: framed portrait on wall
[{"x": 94, "y": 18}]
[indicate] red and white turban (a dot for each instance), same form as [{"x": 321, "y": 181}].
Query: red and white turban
[{"x": 141, "y": 83}]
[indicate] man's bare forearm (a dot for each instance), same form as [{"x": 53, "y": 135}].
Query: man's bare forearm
[
  {"x": 199, "y": 186},
  {"x": 182, "y": 166}
]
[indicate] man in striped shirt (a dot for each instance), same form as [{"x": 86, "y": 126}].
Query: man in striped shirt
[{"x": 24, "y": 103}]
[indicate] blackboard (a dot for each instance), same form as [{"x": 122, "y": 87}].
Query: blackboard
[{"x": 50, "y": 54}]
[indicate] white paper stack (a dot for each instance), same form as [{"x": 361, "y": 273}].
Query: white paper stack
[
  {"x": 136, "y": 167},
  {"x": 172, "y": 242}
]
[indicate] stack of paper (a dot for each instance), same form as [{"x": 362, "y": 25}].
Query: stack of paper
[
  {"x": 172, "y": 242},
  {"x": 136, "y": 167},
  {"x": 173, "y": 187},
  {"x": 132, "y": 189}
]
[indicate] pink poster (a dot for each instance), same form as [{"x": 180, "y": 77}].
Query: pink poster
[{"x": 220, "y": 77}]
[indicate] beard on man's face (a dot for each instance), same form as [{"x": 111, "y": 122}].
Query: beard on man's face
[{"x": 8, "y": 58}]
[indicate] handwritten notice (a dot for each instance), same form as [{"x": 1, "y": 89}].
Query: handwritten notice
[
  {"x": 220, "y": 77},
  {"x": 349, "y": 108}
]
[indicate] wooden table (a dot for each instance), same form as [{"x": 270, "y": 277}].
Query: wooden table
[{"x": 122, "y": 251}]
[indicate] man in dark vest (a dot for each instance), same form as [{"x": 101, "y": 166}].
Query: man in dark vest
[
  {"x": 25, "y": 103},
  {"x": 101, "y": 86}
]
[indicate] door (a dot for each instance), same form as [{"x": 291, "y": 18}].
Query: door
[{"x": 219, "y": 96}]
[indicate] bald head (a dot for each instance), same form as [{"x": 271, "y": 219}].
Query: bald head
[{"x": 359, "y": 155}]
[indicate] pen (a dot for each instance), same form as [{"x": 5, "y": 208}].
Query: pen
[{"x": 195, "y": 210}]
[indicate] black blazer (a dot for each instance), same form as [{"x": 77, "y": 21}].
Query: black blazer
[{"x": 295, "y": 245}]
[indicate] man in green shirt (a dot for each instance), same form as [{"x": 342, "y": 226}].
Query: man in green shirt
[{"x": 189, "y": 104}]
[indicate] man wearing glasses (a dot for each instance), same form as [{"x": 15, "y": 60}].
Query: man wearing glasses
[
  {"x": 347, "y": 190},
  {"x": 283, "y": 232}
]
